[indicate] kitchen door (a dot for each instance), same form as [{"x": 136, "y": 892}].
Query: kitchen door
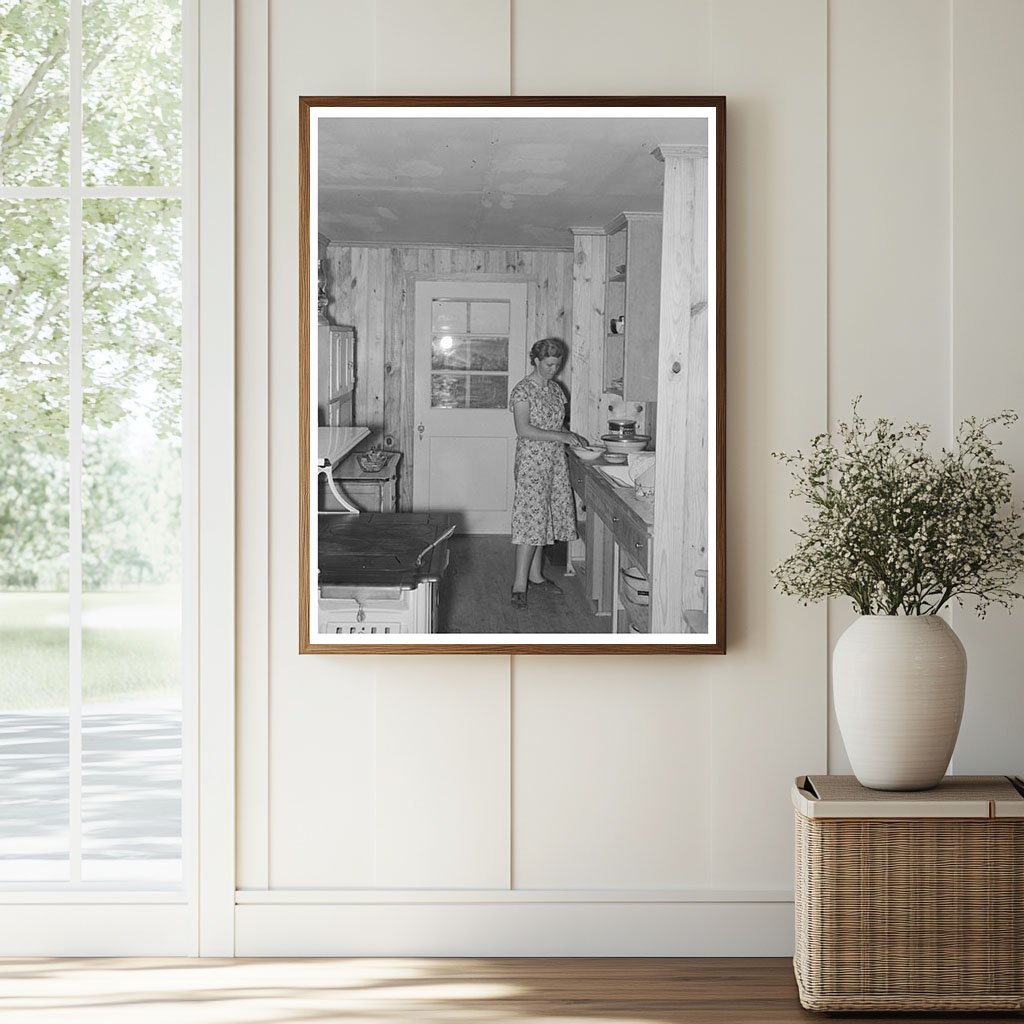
[{"x": 470, "y": 353}]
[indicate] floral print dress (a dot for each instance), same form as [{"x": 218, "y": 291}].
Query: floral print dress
[{"x": 543, "y": 509}]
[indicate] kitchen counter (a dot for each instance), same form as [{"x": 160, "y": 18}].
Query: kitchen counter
[
  {"x": 642, "y": 508},
  {"x": 584, "y": 474},
  {"x": 618, "y": 530}
]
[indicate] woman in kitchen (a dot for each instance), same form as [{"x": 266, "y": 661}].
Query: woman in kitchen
[{"x": 543, "y": 510}]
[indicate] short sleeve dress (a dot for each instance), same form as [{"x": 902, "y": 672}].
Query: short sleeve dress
[{"x": 543, "y": 509}]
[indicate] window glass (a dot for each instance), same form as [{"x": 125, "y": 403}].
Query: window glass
[
  {"x": 488, "y": 391},
  {"x": 34, "y": 604},
  {"x": 449, "y": 317},
  {"x": 34, "y": 92},
  {"x": 131, "y": 548},
  {"x": 491, "y": 317},
  {"x": 448, "y": 390},
  {"x": 131, "y": 92}
]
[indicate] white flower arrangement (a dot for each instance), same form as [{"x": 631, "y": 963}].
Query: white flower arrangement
[{"x": 899, "y": 530}]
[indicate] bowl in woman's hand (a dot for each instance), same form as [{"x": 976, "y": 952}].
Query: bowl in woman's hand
[{"x": 588, "y": 453}]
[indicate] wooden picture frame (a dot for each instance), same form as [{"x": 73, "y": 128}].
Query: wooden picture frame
[{"x": 439, "y": 239}]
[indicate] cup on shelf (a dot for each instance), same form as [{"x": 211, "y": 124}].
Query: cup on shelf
[{"x": 618, "y": 325}]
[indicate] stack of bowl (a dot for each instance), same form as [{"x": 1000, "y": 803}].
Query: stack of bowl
[{"x": 618, "y": 447}]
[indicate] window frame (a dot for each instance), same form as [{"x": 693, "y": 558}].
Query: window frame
[{"x": 118, "y": 918}]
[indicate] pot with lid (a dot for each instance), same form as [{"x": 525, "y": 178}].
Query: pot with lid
[{"x": 624, "y": 429}]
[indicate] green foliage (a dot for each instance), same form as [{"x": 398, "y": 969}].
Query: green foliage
[
  {"x": 131, "y": 302},
  {"x": 131, "y": 95},
  {"x": 34, "y": 92},
  {"x": 33, "y": 513},
  {"x": 898, "y": 529},
  {"x": 132, "y": 312},
  {"x": 131, "y": 92}
]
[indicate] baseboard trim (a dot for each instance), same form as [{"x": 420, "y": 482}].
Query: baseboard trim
[
  {"x": 496, "y": 928},
  {"x": 97, "y": 929},
  {"x": 347, "y": 897}
]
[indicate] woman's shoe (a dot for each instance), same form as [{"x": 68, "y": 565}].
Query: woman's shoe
[
  {"x": 519, "y": 599},
  {"x": 550, "y": 585}
]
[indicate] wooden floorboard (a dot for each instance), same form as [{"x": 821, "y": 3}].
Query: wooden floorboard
[
  {"x": 476, "y": 594},
  {"x": 407, "y": 990}
]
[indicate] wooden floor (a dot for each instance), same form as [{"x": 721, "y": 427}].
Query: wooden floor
[
  {"x": 414, "y": 991},
  {"x": 476, "y": 594}
]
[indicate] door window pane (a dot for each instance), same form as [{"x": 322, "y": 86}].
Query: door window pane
[
  {"x": 490, "y": 317},
  {"x": 449, "y": 353},
  {"x": 448, "y": 390},
  {"x": 34, "y": 92},
  {"x": 488, "y": 391},
  {"x": 449, "y": 317},
  {"x": 131, "y": 92},
  {"x": 131, "y": 548},
  {"x": 489, "y": 354},
  {"x": 34, "y": 475}
]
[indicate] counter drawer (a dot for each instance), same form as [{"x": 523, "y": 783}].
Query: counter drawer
[
  {"x": 577, "y": 476},
  {"x": 628, "y": 529},
  {"x": 636, "y": 546}
]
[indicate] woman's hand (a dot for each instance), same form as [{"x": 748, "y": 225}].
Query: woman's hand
[{"x": 574, "y": 440}]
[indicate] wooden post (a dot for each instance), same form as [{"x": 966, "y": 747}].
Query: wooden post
[
  {"x": 587, "y": 344},
  {"x": 681, "y": 486}
]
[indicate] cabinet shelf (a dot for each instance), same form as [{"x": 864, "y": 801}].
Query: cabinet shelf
[{"x": 634, "y": 242}]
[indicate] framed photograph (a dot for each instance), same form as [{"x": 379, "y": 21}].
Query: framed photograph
[{"x": 512, "y": 380}]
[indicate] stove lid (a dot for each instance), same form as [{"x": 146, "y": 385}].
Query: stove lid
[{"x": 380, "y": 549}]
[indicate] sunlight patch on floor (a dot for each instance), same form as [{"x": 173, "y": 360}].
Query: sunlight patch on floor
[{"x": 219, "y": 991}]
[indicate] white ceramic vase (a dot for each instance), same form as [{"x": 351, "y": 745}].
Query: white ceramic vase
[{"x": 898, "y": 684}]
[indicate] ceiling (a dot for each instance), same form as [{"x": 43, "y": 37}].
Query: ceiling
[{"x": 509, "y": 181}]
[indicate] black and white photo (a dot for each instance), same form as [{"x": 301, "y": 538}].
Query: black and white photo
[{"x": 512, "y": 380}]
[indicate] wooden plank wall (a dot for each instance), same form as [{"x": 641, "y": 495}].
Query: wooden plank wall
[
  {"x": 371, "y": 288},
  {"x": 588, "y": 325},
  {"x": 680, "y": 498}
]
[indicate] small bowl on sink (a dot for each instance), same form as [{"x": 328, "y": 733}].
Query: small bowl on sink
[
  {"x": 372, "y": 461},
  {"x": 615, "y": 458}
]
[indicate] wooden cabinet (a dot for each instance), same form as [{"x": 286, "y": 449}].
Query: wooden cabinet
[
  {"x": 369, "y": 491},
  {"x": 633, "y": 293},
  {"x": 335, "y": 375},
  {"x": 616, "y": 535}
]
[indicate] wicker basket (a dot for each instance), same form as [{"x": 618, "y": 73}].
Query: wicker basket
[{"x": 910, "y": 901}]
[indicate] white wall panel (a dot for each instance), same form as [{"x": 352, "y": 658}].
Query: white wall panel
[
  {"x": 889, "y": 209},
  {"x": 324, "y": 779},
  {"x": 889, "y": 247},
  {"x": 769, "y": 692},
  {"x": 313, "y": 702},
  {"x": 604, "y": 48},
  {"x": 988, "y": 355},
  {"x": 322, "y": 814},
  {"x": 612, "y": 785},
  {"x": 442, "y": 48},
  {"x": 442, "y": 770},
  {"x": 639, "y": 772}
]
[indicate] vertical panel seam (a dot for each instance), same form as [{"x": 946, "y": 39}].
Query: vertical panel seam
[
  {"x": 950, "y": 341},
  {"x": 829, "y": 604},
  {"x": 511, "y": 55},
  {"x": 265, "y": 724},
  {"x": 510, "y": 705}
]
